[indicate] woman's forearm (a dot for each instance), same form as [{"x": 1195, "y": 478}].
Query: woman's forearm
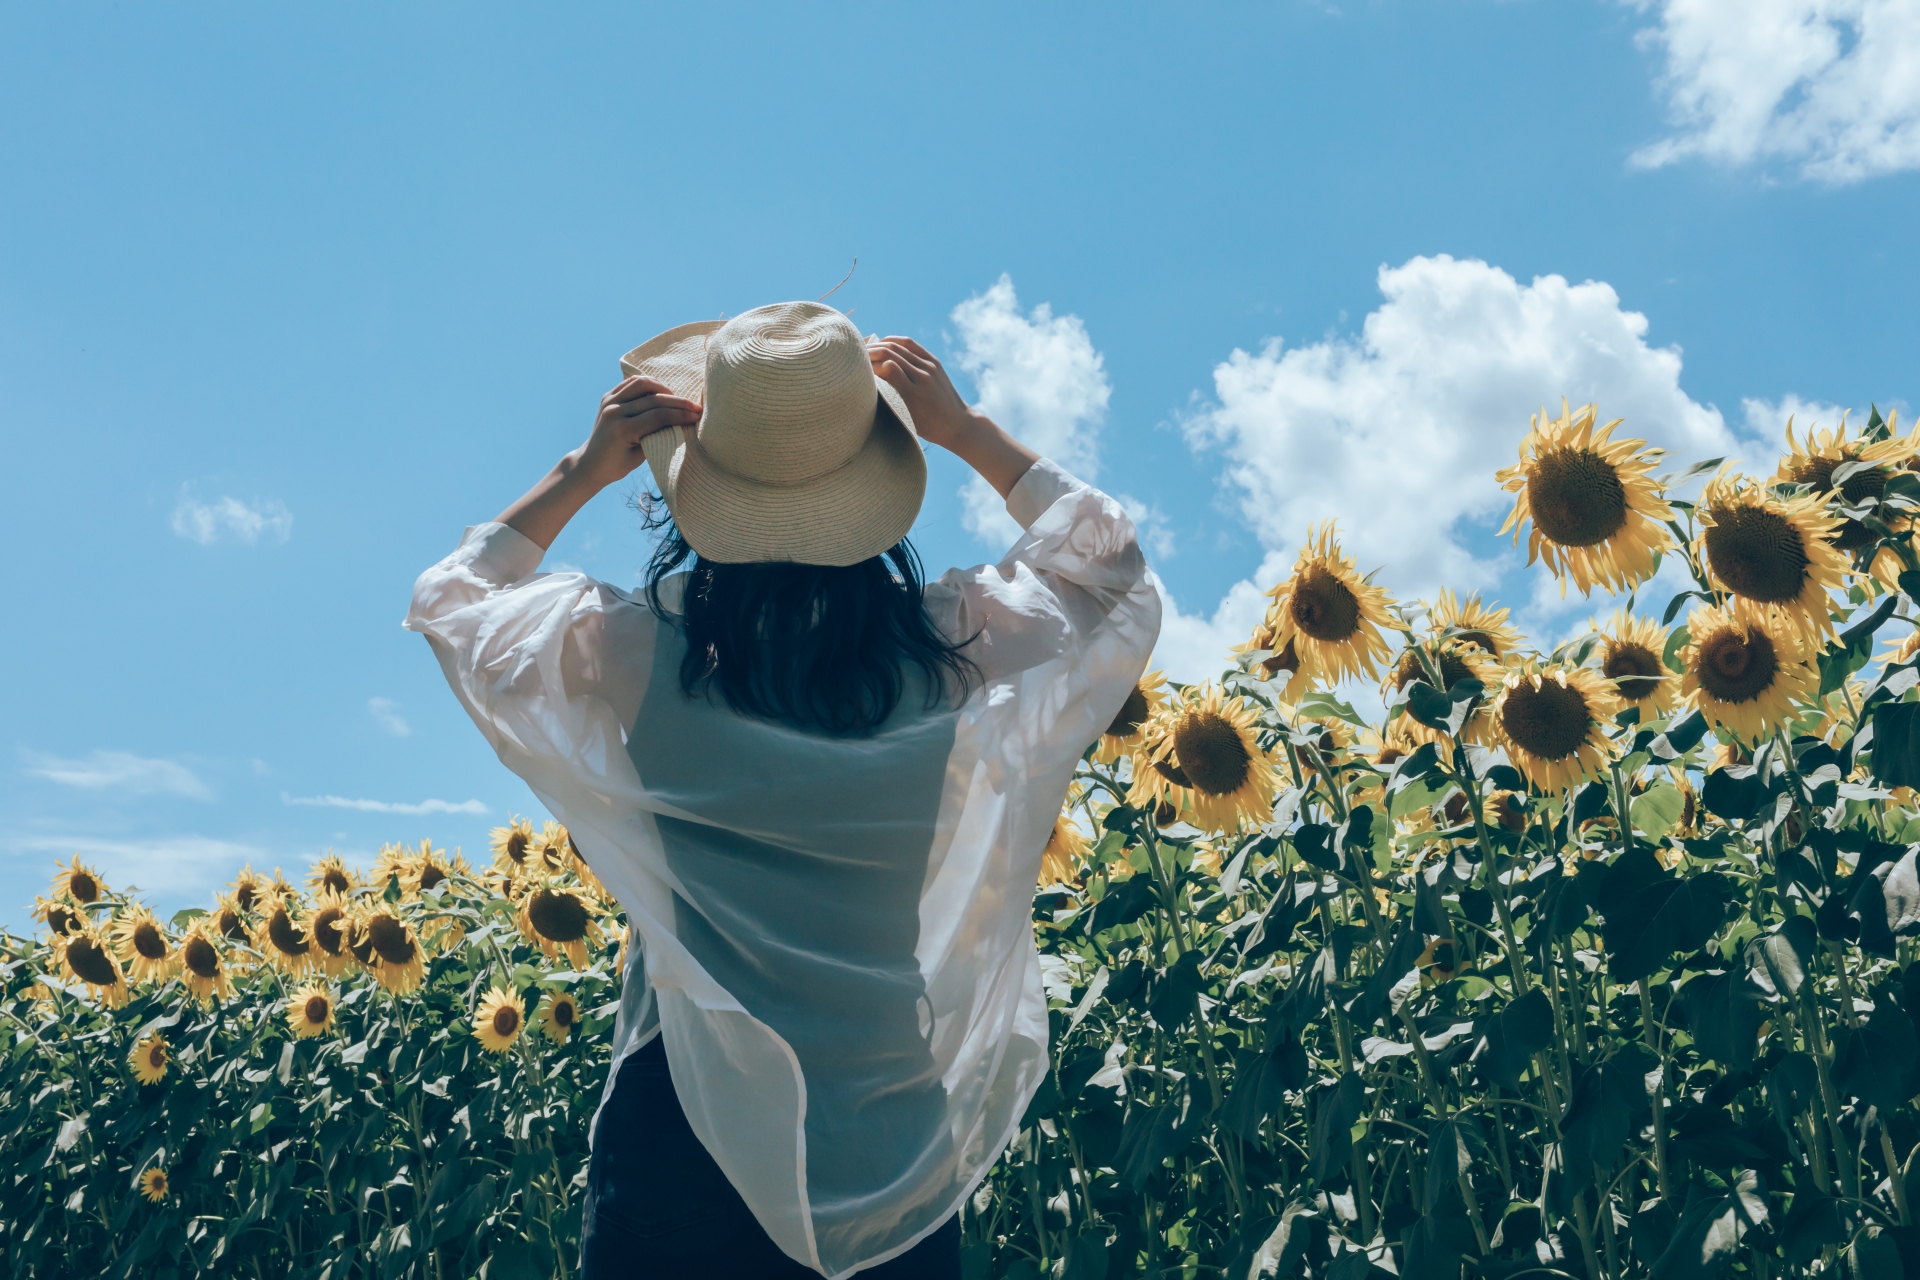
[
  {"x": 543, "y": 511},
  {"x": 998, "y": 457}
]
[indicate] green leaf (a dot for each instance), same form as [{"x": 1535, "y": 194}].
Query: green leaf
[
  {"x": 1724, "y": 1013},
  {"x": 1896, "y": 744},
  {"x": 1335, "y": 1111},
  {"x": 1655, "y": 811},
  {"x": 1708, "y": 1238}
]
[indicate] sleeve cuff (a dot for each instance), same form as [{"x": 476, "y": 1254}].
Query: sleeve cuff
[
  {"x": 499, "y": 553},
  {"x": 1043, "y": 485}
]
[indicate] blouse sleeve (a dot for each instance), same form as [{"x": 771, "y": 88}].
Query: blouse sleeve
[
  {"x": 1073, "y": 601},
  {"x": 551, "y": 666}
]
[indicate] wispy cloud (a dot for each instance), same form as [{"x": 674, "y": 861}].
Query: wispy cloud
[
  {"x": 386, "y": 713},
  {"x": 177, "y": 868},
  {"x": 1825, "y": 85},
  {"x": 120, "y": 771},
  {"x": 229, "y": 518},
  {"x": 387, "y": 806}
]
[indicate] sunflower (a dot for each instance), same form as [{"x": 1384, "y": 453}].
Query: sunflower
[
  {"x": 1328, "y": 616},
  {"x": 1597, "y": 513},
  {"x": 154, "y": 1185},
  {"x": 498, "y": 1021},
  {"x": 1685, "y": 828},
  {"x": 310, "y": 1011},
  {"x": 1772, "y": 551},
  {"x": 280, "y": 936},
  {"x": 79, "y": 882},
  {"x": 86, "y": 957},
  {"x": 247, "y": 889},
  {"x": 1505, "y": 809},
  {"x": 1118, "y": 738},
  {"x": 229, "y": 920},
  {"x": 1066, "y": 850},
  {"x": 577, "y": 864},
  {"x": 389, "y": 865},
  {"x": 149, "y": 1059},
  {"x": 423, "y": 869},
  {"x": 551, "y": 848},
  {"x": 1382, "y": 753},
  {"x": 558, "y": 1015},
  {"x": 1458, "y": 660},
  {"x": 1631, "y": 655},
  {"x": 141, "y": 945},
  {"x": 559, "y": 920},
  {"x": 1553, "y": 723},
  {"x": 59, "y": 917},
  {"x": 511, "y": 844},
  {"x": 1902, "y": 650},
  {"x": 1284, "y": 662},
  {"x": 1226, "y": 778},
  {"x": 1442, "y": 960},
  {"x": 332, "y": 875},
  {"x": 1813, "y": 463},
  {"x": 1728, "y": 753},
  {"x": 203, "y": 966},
  {"x": 1478, "y": 625},
  {"x": 329, "y": 929},
  {"x": 385, "y": 943},
  {"x": 1746, "y": 666}
]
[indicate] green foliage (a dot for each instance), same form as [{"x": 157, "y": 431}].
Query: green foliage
[{"x": 392, "y": 1145}]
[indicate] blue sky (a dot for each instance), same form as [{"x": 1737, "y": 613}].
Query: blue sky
[{"x": 291, "y": 295}]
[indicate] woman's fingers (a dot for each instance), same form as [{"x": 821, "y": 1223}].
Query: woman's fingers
[
  {"x": 635, "y": 387},
  {"x": 650, "y": 402},
  {"x": 658, "y": 418}
]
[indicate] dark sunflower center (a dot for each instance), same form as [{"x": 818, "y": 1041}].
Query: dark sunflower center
[
  {"x": 1576, "y": 497},
  {"x": 200, "y": 958},
  {"x": 1388, "y": 755},
  {"x": 1548, "y": 719},
  {"x": 83, "y": 887},
  {"x": 1481, "y": 639},
  {"x": 431, "y": 875},
  {"x": 232, "y": 925},
  {"x": 91, "y": 962},
  {"x": 1736, "y": 668},
  {"x": 1816, "y": 473},
  {"x": 245, "y": 896},
  {"x": 1172, "y": 772},
  {"x": 563, "y": 1013},
  {"x": 1443, "y": 955},
  {"x": 1286, "y": 660},
  {"x": 1323, "y": 607},
  {"x": 157, "y": 1054},
  {"x": 1635, "y": 669},
  {"x": 326, "y": 930},
  {"x": 1757, "y": 553},
  {"x": 61, "y": 920},
  {"x": 517, "y": 846},
  {"x": 388, "y": 936},
  {"x": 316, "y": 1010},
  {"x": 148, "y": 942},
  {"x": 285, "y": 934},
  {"x": 335, "y": 880},
  {"x": 556, "y": 916},
  {"x": 1132, "y": 714},
  {"x": 1409, "y": 668},
  {"x": 506, "y": 1020},
  {"x": 1212, "y": 753}
]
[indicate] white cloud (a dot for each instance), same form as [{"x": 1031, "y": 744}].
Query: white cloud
[
  {"x": 1829, "y": 86},
  {"x": 386, "y": 713},
  {"x": 120, "y": 771},
  {"x": 386, "y": 806},
  {"x": 176, "y": 867},
  {"x": 1038, "y": 376},
  {"x": 1195, "y": 647},
  {"x": 208, "y": 522},
  {"x": 1768, "y": 419},
  {"x": 1397, "y": 433}
]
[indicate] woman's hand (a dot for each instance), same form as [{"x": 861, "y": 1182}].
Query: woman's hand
[
  {"x": 628, "y": 414},
  {"x": 942, "y": 417}
]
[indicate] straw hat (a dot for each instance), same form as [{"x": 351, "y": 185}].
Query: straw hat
[{"x": 791, "y": 459}]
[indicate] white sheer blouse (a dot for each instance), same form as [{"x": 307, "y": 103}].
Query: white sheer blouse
[{"x": 833, "y": 935}]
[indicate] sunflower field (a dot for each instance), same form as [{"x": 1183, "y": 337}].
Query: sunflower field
[{"x": 1592, "y": 960}]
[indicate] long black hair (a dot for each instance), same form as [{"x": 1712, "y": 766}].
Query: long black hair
[{"x": 821, "y": 647}]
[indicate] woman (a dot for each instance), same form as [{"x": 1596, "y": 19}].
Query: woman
[{"x": 819, "y": 789}]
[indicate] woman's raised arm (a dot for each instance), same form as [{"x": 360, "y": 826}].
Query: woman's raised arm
[
  {"x": 942, "y": 417},
  {"x": 628, "y": 414}
]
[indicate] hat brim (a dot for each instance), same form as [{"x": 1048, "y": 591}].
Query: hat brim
[{"x": 859, "y": 510}]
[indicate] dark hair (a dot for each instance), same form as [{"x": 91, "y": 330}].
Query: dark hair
[{"x": 823, "y": 647}]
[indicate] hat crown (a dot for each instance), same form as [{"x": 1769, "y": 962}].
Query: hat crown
[{"x": 790, "y": 393}]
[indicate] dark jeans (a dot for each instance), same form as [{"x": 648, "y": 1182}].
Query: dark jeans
[{"x": 658, "y": 1206}]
